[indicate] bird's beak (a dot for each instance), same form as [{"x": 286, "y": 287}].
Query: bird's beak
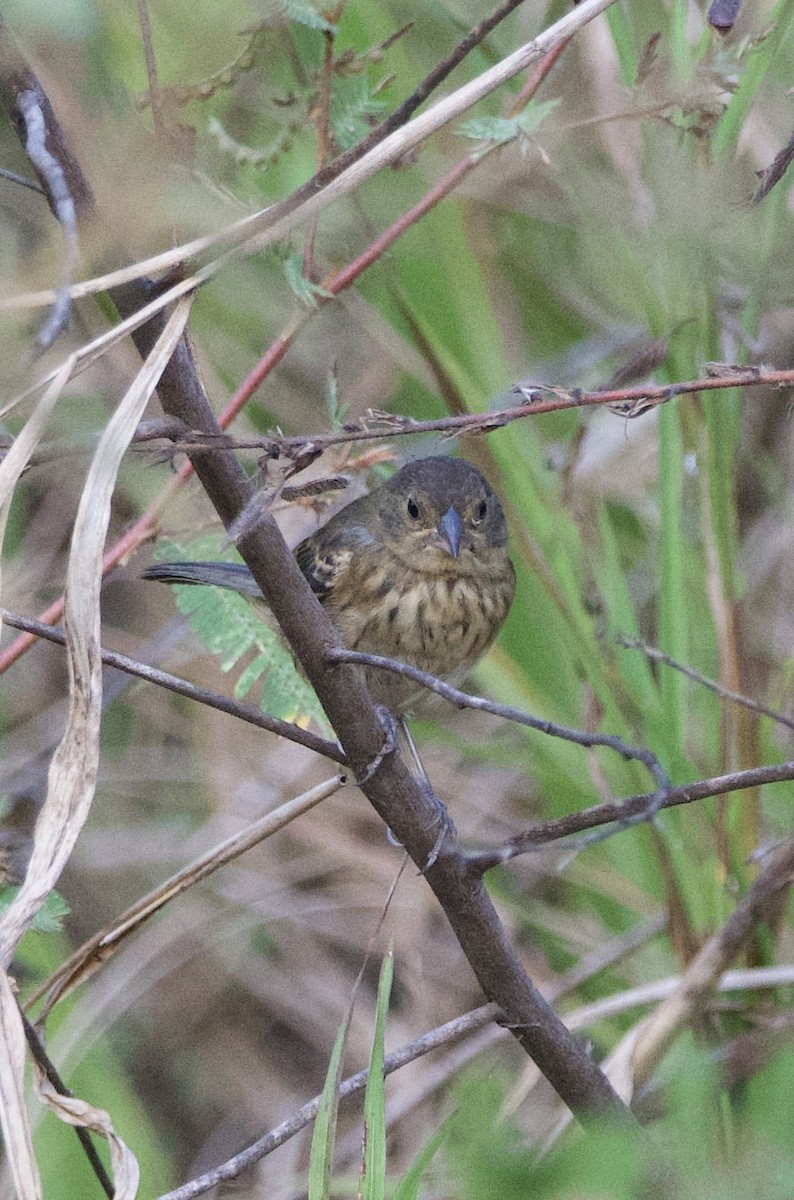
[{"x": 451, "y": 530}]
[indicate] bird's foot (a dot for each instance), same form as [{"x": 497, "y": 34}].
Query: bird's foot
[
  {"x": 390, "y": 744},
  {"x": 446, "y": 832},
  {"x": 393, "y": 729}
]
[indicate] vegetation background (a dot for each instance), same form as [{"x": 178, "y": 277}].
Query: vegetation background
[{"x": 612, "y": 231}]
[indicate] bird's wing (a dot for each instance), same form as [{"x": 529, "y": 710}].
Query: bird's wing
[{"x": 322, "y": 564}]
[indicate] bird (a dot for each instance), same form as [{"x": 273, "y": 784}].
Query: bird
[{"x": 417, "y": 570}]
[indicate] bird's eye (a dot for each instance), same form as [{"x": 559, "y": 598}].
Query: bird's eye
[
  {"x": 413, "y": 509},
  {"x": 482, "y": 509}
]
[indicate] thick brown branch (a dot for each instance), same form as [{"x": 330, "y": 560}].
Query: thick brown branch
[{"x": 393, "y": 792}]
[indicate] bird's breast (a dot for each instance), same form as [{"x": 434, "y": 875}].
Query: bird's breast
[{"x": 441, "y": 623}]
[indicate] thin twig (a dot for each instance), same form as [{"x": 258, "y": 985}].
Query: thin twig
[
  {"x": 22, "y": 180},
  {"x": 375, "y": 426},
  {"x": 444, "y": 1035},
  {"x": 579, "y": 737},
  {"x": 633, "y": 643},
  {"x": 628, "y": 810},
  {"x": 155, "y": 98},
  {"x": 382, "y": 424},
  {"x": 172, "y": 683}
]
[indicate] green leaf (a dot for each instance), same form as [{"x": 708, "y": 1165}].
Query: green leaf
[
  {"x": 374, "y": 1179},
  {"x": 337, "y": 410},
  {"x": 306, "y": 291},
  {"x": 255, "y": 669},
  {"x": 535, "y": 114},
  {"x": 353, "y": 109},
  {"x": 49, "y": 918},
  {"x": 231, "y": 627},
  {"x": 305, "y": 14},
  {"x": 497, "y": 130}
]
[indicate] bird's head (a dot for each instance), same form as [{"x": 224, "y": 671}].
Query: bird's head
[{"x": 439, "y": 511}]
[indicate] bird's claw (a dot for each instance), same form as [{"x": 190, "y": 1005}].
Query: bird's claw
[
  {"x": 391, "y": 729},
  {"x": 447, "y": 832},
  {"x": 390, "y": 743}
]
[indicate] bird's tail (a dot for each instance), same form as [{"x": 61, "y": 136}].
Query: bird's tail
[{"x": 234, "y": 576}]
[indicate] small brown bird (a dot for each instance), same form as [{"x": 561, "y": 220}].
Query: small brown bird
[{"x": 418, "y": 570}]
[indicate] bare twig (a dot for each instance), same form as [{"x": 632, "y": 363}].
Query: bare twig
[
  {"x": 13, "y": 177},
  {"x": 99, "y": 948},
  {"x": 382, "y": 424},
  {"x": 579, "y": 737},
  {"x": 632, "y": 643},
  {"x": 46, "y": 1065},
  {"x": 244, "y": 712},
  {"x": 444, "y": 1035},
  {"x": 625, "y": 811},
  {"x": 155, "y": 98}
]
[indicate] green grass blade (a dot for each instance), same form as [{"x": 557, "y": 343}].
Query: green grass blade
[
  {"x": 324, "y": 1136},
  {"x": 732, "y": 122},
  {"x": 373, "y": 1183},
  {"x": 408, "y": 1187}
]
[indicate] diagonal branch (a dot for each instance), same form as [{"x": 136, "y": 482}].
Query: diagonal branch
[{"x": 407, "y": 810}]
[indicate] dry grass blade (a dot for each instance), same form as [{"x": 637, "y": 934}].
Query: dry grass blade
[
  {"x": 15, "y": 1125},
  {"x": 73, "y": 770},
  {"x": 73, "y": 1111},
  {"x": 98, "y": 949},
  {"x": 74, "y": 766},
  {"x": 91, "y": 351},
  {"x": 24, "y": 446}
]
